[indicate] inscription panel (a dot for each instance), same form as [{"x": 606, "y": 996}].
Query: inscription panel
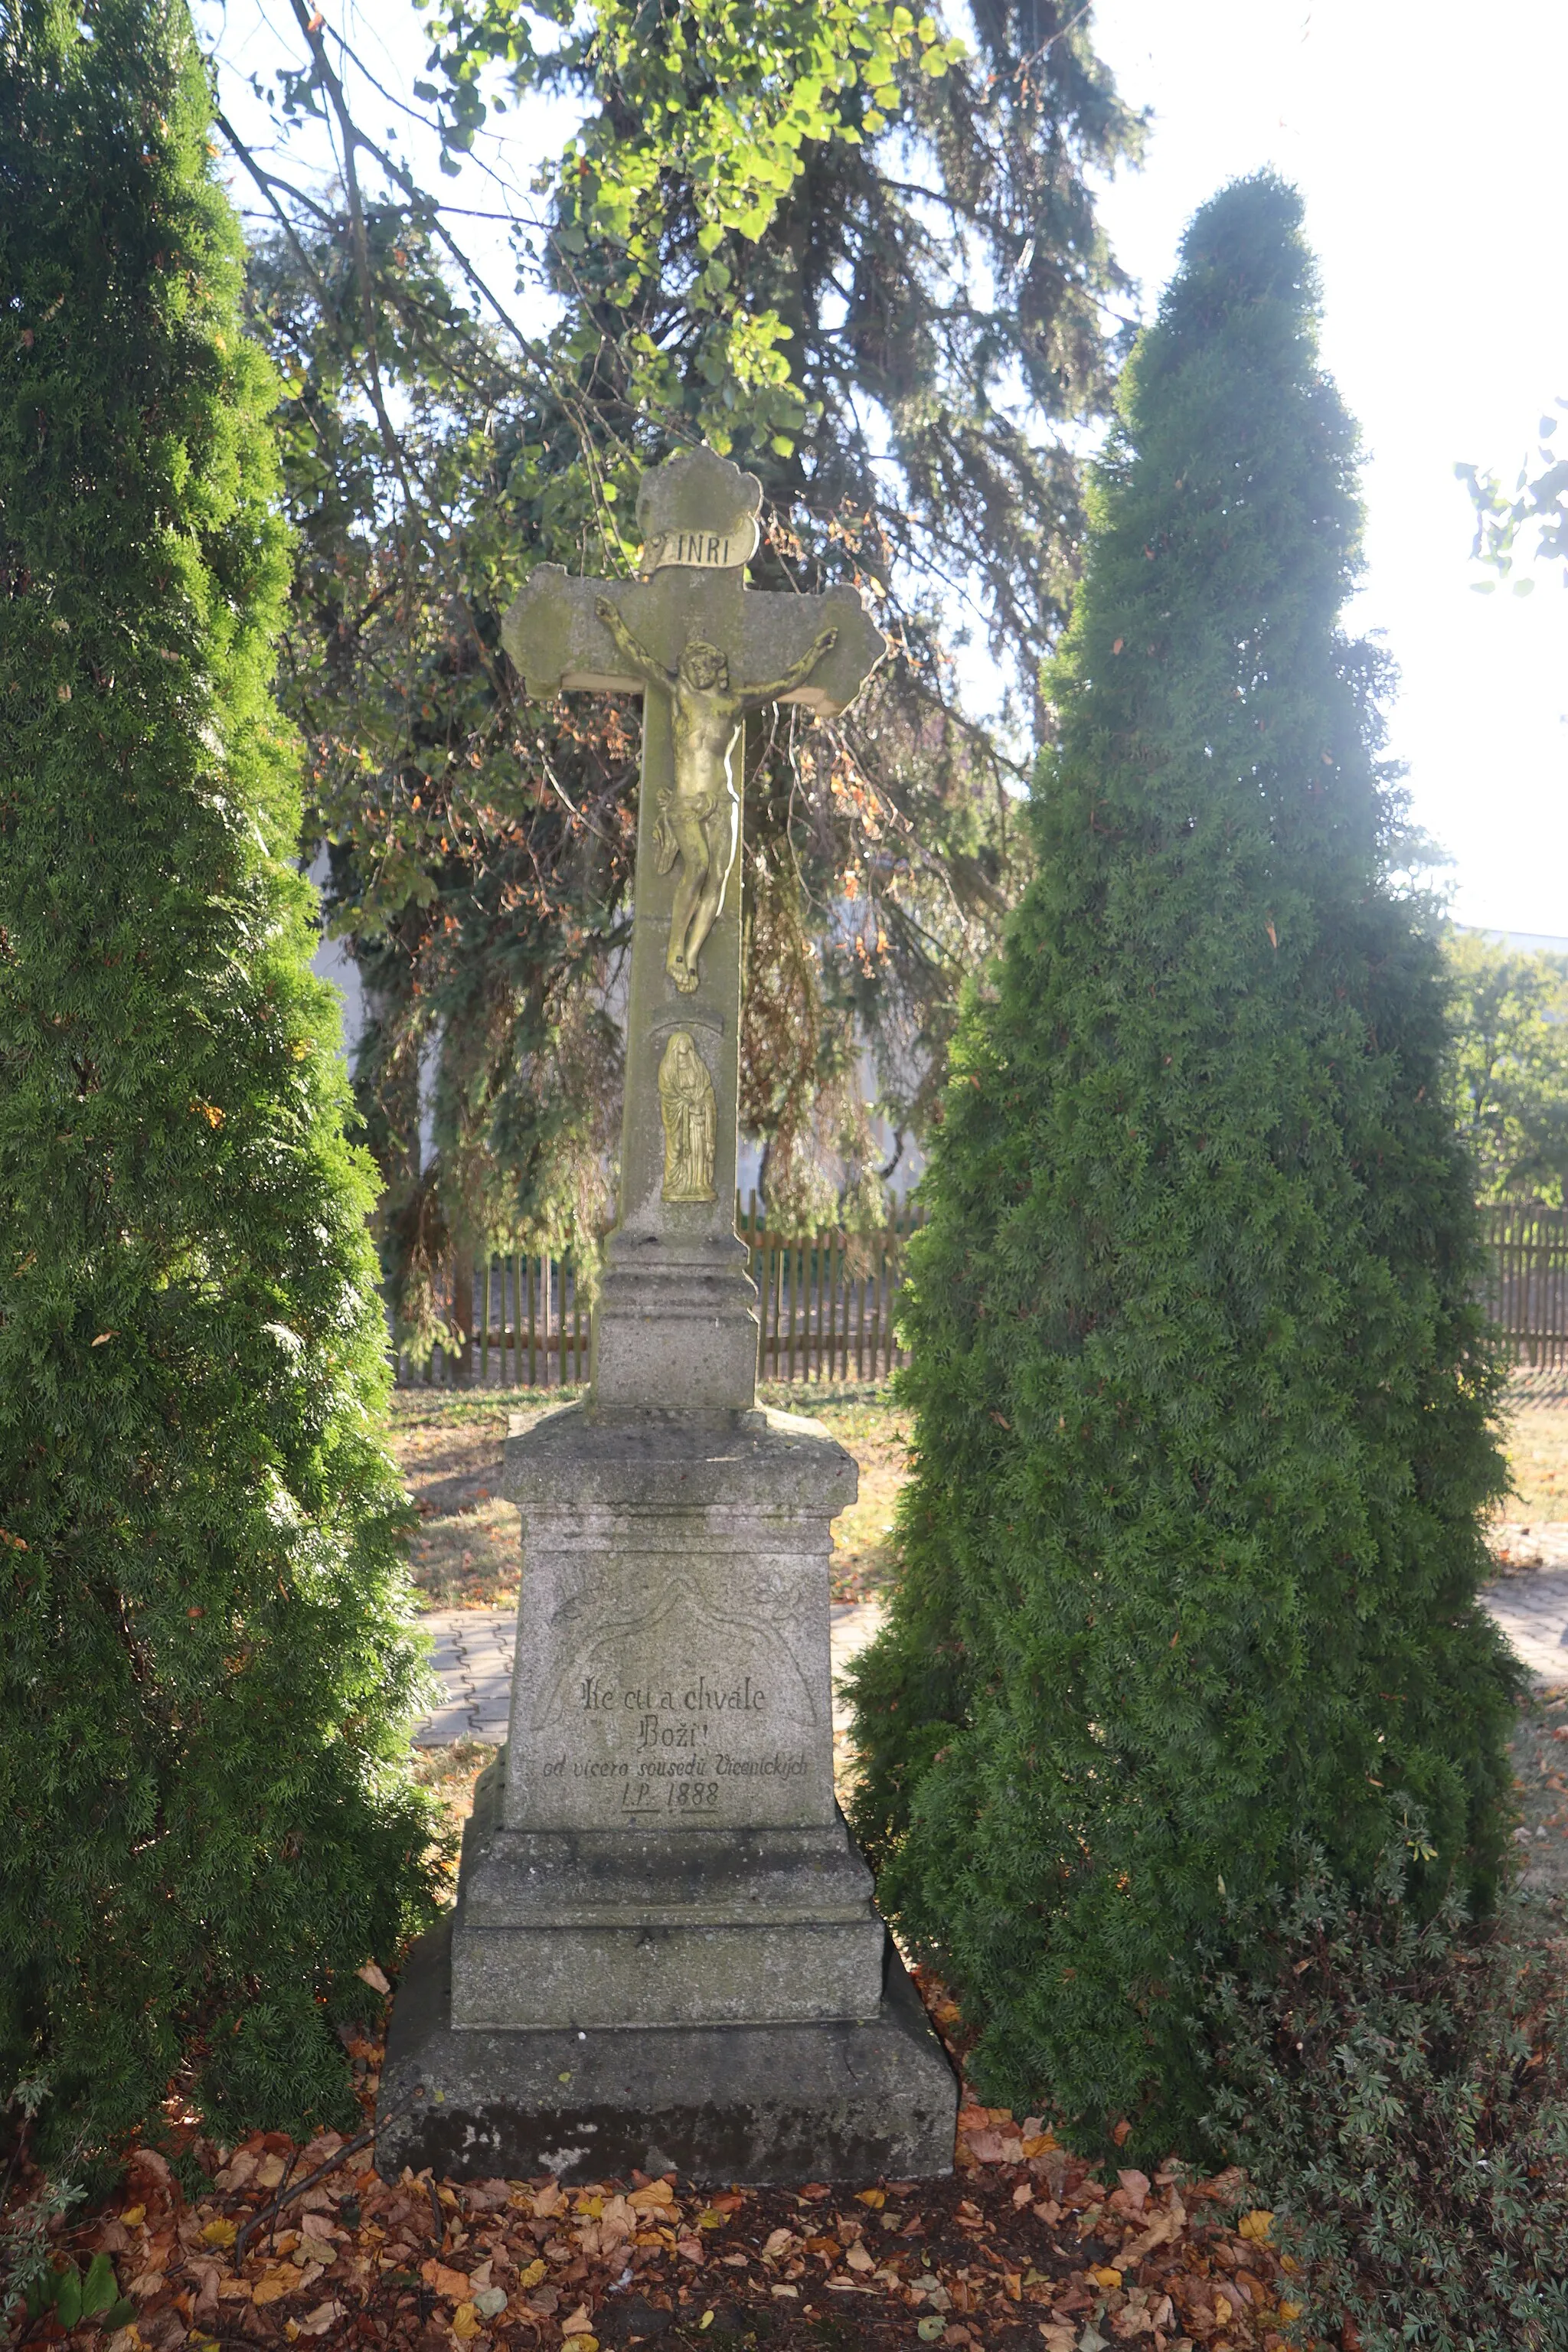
[{"x": 661, "y": 1695}]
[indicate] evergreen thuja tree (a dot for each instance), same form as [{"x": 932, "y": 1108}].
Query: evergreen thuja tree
[
  {"x": 205, "y": 1674},
  {"x": 1203, "y": 1399}
]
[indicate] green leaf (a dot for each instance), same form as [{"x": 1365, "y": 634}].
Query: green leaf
[
  {"x": 99, "y": 2288},
  {"x": 931, "y": 2327},
  {"x": 68, "y": 2296},
  {"x": 1525, "y": 587}
]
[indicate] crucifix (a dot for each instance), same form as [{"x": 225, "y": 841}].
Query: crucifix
[{"x": 676, "y": 1327}]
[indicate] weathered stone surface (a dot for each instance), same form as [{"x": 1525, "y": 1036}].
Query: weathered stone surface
[
  {"x": 673, "y": 1666},
  {"x": 746, "y": 2103},
  {"x": 643, "y": 1927},
  {"x": 660, "y": 1461},
  {"x": 698, "y": 509}
]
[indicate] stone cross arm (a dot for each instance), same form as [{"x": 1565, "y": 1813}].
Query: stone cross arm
[{"x": 556, "y": 639}]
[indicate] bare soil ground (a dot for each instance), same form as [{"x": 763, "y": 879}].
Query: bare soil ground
[{"x": 448, "y": 1446}]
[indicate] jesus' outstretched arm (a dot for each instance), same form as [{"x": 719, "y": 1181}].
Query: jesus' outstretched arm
[
  {"x": 635, "y": 653},
  {"x": 797, "y": 673}
]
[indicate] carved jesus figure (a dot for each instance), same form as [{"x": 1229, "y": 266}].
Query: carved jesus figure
[{"x": 698, "y": 816}]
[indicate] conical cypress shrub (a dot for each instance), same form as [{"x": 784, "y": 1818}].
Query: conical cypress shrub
[
  {"x": 203, "y": 1671},
  {"x": 1192, "y": 1546}
]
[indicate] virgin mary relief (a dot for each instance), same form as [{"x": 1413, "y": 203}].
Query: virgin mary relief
[{"x": 690, "y": 1120}]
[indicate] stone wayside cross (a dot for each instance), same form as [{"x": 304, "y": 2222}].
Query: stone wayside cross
[
  {"x": 666, "y": 1952},
  {"x": 676, "y": 1326}
]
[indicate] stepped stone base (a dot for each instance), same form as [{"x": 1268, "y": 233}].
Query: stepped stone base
[
  {"x": 624, "y": 1927},
  {"x": 714, "y": 2103}
]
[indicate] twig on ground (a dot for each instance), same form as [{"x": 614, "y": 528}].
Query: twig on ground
[{"x": 286, "y": 2195}]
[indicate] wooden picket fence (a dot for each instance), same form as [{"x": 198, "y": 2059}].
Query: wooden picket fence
[
  {"x": 827, "y": 1310},
  {"x": 1527, "y": 1280},
  {"x": 828, "y": 1304}
]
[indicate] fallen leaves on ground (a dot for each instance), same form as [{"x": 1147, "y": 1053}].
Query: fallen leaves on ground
[{"x": 1025, "y": 2245}]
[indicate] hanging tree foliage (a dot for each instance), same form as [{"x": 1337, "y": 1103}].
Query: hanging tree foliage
[
  {"x": 1202, "y": 1395},
  {"x": 206, "y": 1680},
  {"x": 827, "y": 241}
]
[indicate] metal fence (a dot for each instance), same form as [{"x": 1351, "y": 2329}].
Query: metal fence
[
  {"x": 827, "y": 1310},
  {"x": 1527, "y": 1280}
]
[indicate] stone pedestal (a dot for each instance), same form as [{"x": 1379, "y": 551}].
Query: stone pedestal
[
  {"x": 713, "y": 2103},
  {"x": 664, "y": 1943}
]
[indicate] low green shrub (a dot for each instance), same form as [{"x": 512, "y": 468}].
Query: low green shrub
[{"x": 1399, "y": 2088}]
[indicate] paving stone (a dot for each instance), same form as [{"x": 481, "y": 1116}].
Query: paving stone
[{"x": 1532, "y": 1611}]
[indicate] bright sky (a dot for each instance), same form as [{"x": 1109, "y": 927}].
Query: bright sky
[
  {"x": 1433, "y": 195},
  {"x": 1434, "y": 201}
]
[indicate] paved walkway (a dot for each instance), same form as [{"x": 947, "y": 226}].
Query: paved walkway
[
  {"x": 1530, "y": 1596},
  {"x": 1533, "y": 1613},
  {"x": 474, "y": 1646}
]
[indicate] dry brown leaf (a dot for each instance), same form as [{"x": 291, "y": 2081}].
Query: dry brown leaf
[
  {"x": 453, "y": 2284},
  {"x": 1162, "y": 2233},
  {"x": 658, "y": 2192}
]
